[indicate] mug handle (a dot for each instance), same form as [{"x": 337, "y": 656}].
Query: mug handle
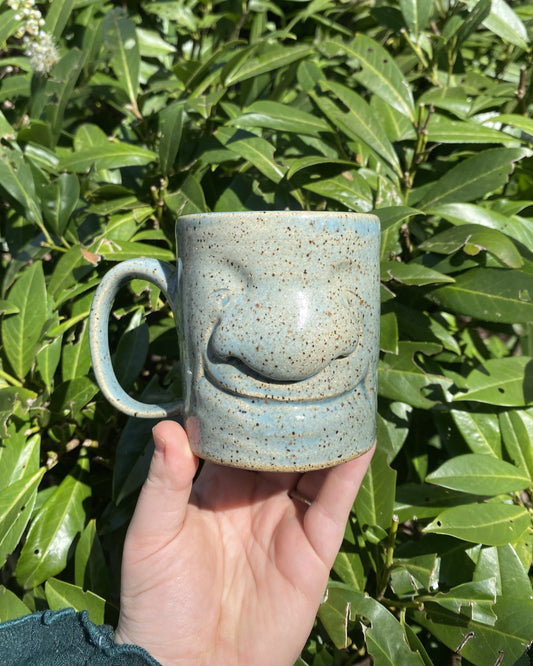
[{"x": 160, "y": 274}]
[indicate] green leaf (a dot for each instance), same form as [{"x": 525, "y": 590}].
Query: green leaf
[
  {"x": 376, "y": 69},
  {"x": 16, "y": 179},
  {"x": 130, "y": 250},
  {"x": 385, "y": 638},
  {"x": 282, "y": 117},
  {"x": 441, "y": 129},
  {"x": 483, "y": 644},
  {"x": 474, "y": 177},
  {"x": 59, "y": 199},
  {"x": 109, "y": 155},
  {"x": 391, "y": 219},
  {"x": 401, "y": 378},
  {"x": 14, "y": 401},
  {"x": 474, "y": 600},
  {"x": 490, "y": 294},
  {"x": 472, "y": 239},
  {"x": 48, "y": 358},
  {"x": 413, "y": 274},
  {"x": 492, "y": 524},
  {"x": 8, "y": 27},
  {"x": 418, "y": 501},
  {"x": 480, "y": 430},
  {"x": 16, "y": 506},
  {"x": 76, "y": 356},
  {"x": 60, "y": 594},
  {"x": 57, "y": 16},
  {"x": 512, "y": 226},
  {"x": 170, "y": 128},
  {"x": 19, "y": 455},
  {"x": 500, "y": 381},
  {"x": 375, "y": 500},
  {"x": 132, "y": 351},
  {"x": 71, "y": 396},
  {"x": 356, "y": 120},
  {"x": 416, "y": 14},
  {"x": 411, "y": 575},
  {"x": 515, "y": 120},
  {"x": 120, "y": 38},
  {"x": 11, "y": 607},
  {"x": 517, "y": 432},
  {"x": 503, "y": 564},
  {"x": 54, "y": 528},
  {"x": 254, "y": 149},
  {"x": 479, "y": 474},
  {"x": 505, "y": 23},
  {"x": 90, "y": 568},
  {"x": 269, "y": 59},
  {"x": 348, "y": 188},
  {"x": 21, "y": 331}
]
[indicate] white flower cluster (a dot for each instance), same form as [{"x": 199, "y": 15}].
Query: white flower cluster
[{"x": 40, "y": 46}]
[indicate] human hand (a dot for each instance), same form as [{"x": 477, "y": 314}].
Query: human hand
[{"x": 230, "y": 570}]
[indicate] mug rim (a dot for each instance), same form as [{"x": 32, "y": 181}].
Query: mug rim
[{"x": 298, "y": 214}]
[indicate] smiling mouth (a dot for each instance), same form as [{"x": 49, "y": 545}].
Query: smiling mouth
[{"x": 233, "y": 376}]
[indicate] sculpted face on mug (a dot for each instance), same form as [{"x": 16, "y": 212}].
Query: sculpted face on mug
[{"x": 286, "y": 326}]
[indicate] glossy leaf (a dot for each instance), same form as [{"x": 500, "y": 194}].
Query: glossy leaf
[
  {"x": 54, "y": 528},
  {"x": 121, "y": 40},
  {"x": 413, "y": 274},
  {"x": 483, "y": 644},
  {"x": 254, "y": 149},
  {"x": 474, "y": 600},
  {"x": 474, "y": 177},
  {"x": 21, "y": 331},
  {"x": 11, "y": 607},
  {"x": 19, "y": 455},
  {"x": 109, "y": 155},
  {"x": 380, "y": 74},
  {"x": 16, "y": 506},
  {"x": 480, "y": 475},
  {"x": 473, "y": 239},
  {"x": 60, "y": 594},
  {"x": 277, "y": 116},
  {"x": 500, "y": 381},
  {"x": 385, "y": 639},
  {"x": 374, "y": 503},
  {"x": 170, "y": 128},
  {"x": 444, "y": 130},
  {"x": 480, "y": 430},
  {"x": 418, "y": 501},
  {"x": 59, "y": 199},
  {"x": 489, "y": 294},
  {"x": 401, "y": 378},
  {"x": 493, "y": 524},
  {"x": 517, "y": 433},
  {"x": 356, "y": 120},
  {"x": 90, "y": 568},
  {"x": 502, "y": 563},
  {"x": 267, "y": 60},
  {"x": 416, "y": 14}
]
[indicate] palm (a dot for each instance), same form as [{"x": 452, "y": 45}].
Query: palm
[{"x": 238, "y": 577}]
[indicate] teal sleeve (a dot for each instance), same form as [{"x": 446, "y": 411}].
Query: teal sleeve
[{"x": 65, "y": 638}]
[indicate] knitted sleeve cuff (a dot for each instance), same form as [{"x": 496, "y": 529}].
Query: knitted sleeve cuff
[{"x": 65, "y": 638}]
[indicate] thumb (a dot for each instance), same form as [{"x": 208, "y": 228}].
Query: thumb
[{"x": 163, "y": 501}]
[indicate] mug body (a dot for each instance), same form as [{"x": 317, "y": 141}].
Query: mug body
[{"x": 278, "y": 314}]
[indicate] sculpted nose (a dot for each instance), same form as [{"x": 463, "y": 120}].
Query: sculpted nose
[{"x": 289, "y": 337}]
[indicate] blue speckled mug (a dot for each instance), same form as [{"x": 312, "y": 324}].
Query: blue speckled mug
[{"x": 278, "y": 323}]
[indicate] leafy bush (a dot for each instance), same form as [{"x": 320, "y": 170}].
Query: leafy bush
[{"x": 417, "y": 109}]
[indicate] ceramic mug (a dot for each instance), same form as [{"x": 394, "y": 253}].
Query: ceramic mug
[{"x": 277, "y": 316}]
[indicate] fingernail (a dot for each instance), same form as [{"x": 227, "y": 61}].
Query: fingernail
[{"x": 160, "y": 442}]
